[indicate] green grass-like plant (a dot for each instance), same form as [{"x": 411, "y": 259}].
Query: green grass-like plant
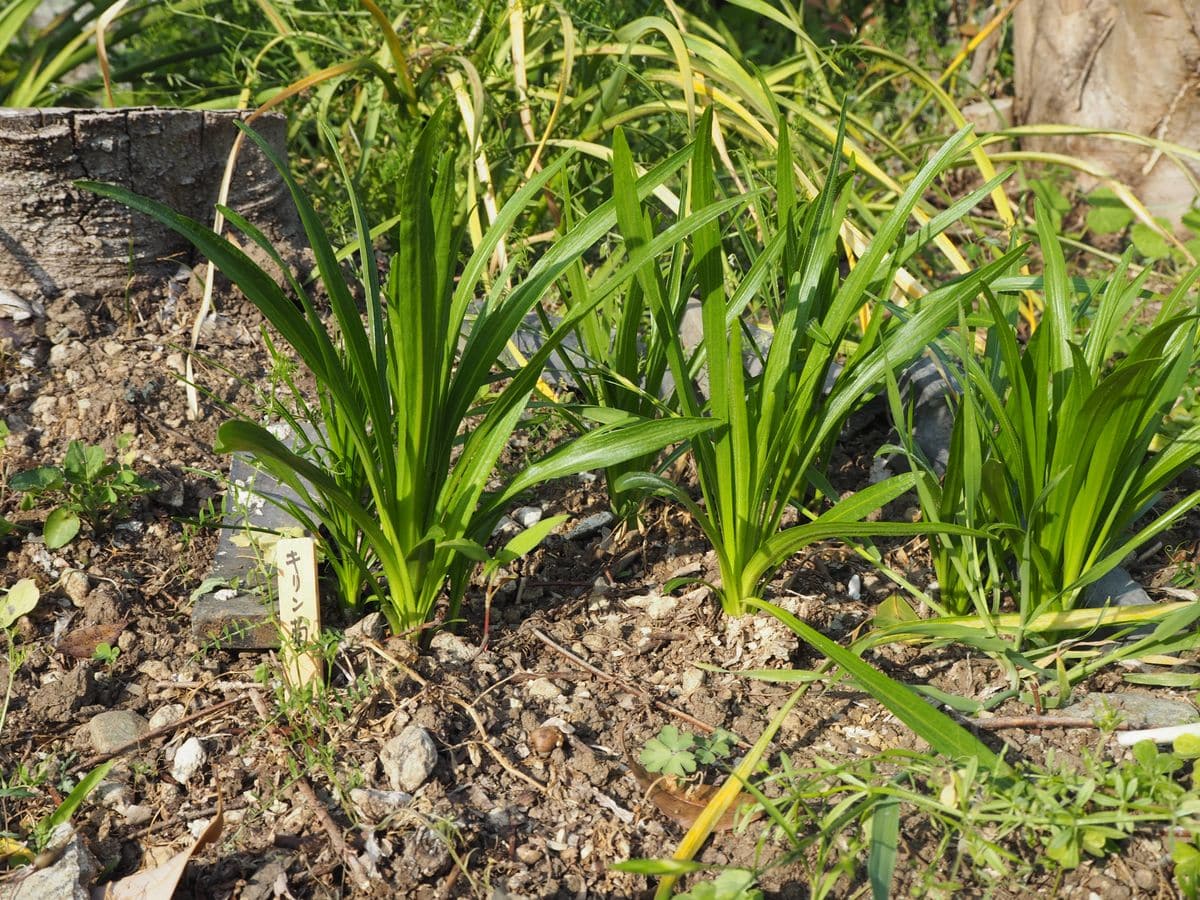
[
  {"x": 412, "y": 426},
  {"x": 781, "y": 425},
  {"x": 1052, "y": 449}
]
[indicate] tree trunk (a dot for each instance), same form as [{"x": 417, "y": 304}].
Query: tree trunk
[
  {"x": 1125, "y": 65},
  {"x": 55, "y": 237}
]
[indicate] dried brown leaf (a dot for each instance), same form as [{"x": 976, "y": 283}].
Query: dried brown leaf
[{"x": 81, "y": 643}]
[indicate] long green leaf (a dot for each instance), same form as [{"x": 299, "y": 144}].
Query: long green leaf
[
  {"x": 941, "y": 732},
  {"x": 885, "y": 842},
  {"x": 605, "y": 447}
]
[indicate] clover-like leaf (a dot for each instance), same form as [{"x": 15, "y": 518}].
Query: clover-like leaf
[
  {"x": 670, "y": 753},
  {"x": 83, "y": 463},
  {"x": 1148, "y": 242},
  {"x": 1187, "y": 868},
  {"x": 715, "y": 747}
]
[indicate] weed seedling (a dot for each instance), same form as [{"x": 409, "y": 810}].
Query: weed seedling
[
  {"x": 107, "y": 654},
  {"x": 679, "y": 753},
  {"x": 87, "y": 487},
  {"x": 19, "y": 600},
  {"x": 731, "y": 884}
]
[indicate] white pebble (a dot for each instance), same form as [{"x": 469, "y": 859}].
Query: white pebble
[
  {"x": 527, "y": 516},
  {"x": 854, "y": 588},
  {"x": 409, "y": 759},
  {"x": 166, "y": 715},
  {"x": 188, "y": 759}
]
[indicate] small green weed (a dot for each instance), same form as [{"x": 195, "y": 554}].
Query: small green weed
[
  {"x": 1002, "y": 823},
  {"x": 19, "y": 600},
  {"x": 107, "y": 654},
  {"x": 312, "y": 721},
  {"x": 677, "y": 753},
  {"x": 207, "y": 517},
  {"x": 51, "y": 831},
  {"x": 87, "y": 487},
  {"x": 731, "y": 884}
]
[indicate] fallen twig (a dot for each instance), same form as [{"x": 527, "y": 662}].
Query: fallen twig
[
  {"x": 194, "y": 815},
  {"x": 626, "y": 686},
  {"x": 484, "y": 742},
  {"x": 215, "y": 685},
  {"x": 340, "y": 847},
  {"x": 495, "y": 754},
  {"x": 137, "y": 743}
]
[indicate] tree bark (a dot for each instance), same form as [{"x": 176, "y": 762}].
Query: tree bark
[
  {"x": 55, "y": 237},
  {"x": 1126, "y": 65}
]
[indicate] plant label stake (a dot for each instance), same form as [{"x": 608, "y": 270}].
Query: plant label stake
[{"x": 299, "y": 610}]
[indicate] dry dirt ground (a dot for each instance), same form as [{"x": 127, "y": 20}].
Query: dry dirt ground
[{"x": 532, "y": 793}]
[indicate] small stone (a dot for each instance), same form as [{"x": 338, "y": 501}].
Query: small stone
[
  {"x": 57, "y": 701},
  {"x": 545, "y": 740},
  {"x": 14, "y": 306},
  {"x": 854, "y": 587},
  {"x": 189, "y": 758},
  {"x": 542, "y": 689},
  {"x": 112, "y": 794},
  {"x": 589, "y": 526},
  {"x": 427, "y": 852},
  {"x": 114, "y": 728},
  {"x": 68, "y": 877},
  {"x": 159, "y": 671},
  {"x": 197, "y": 827},
  {"x": 451, "y": 650},
  {"x": 528, "y": 854},
  {"x": 935, "y": 392},
  {"x": 661, "y": 607},
  {"x": 64, "y": 354},
  {"x": 506, "y": 527},
  {"x": 409, "y": 758},
  {"x": 372, "y": 626},
  {"x": 527, "y": 516},
  {"x": 655, "y": 605},
  {"x": 137, "y": 814},
  {"x": 691, "y": 681},
  {"x": 1115, "y": 588},
  {"x": 173, "y": 495},
  {"x": 375, "y": 805},
  {"x": 112, "y": 348},
  {"x": 43, "y": 408},
  {"x": 686, "y": 571},
  {"x": 76, "y": 585}
]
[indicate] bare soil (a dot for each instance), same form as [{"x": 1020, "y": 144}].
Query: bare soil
[{"x": 497, "y": 816}]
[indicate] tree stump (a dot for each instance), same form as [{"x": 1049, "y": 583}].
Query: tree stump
[
  {"x": 56, "y": 238},
  {"x": 1125, "y": 65}
]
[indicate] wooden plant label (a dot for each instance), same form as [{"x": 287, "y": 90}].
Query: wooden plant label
[{"x": 299, "y": 609}]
